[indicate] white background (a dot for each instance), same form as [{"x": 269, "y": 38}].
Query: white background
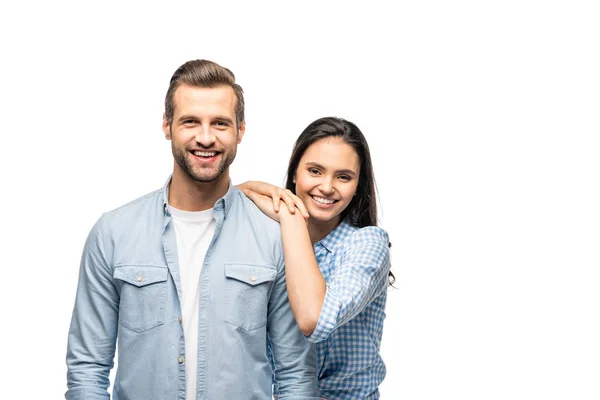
[{"x": 483, "y": 120}]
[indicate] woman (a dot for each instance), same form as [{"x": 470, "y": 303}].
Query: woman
[{"x": 337, "y": 260}]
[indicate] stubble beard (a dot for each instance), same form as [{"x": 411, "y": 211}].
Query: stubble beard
[{"x": 203, "y": 173}]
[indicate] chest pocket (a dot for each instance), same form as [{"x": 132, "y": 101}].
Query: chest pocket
[
  {"x": 143, "y": 296},
  {"x": 247, "y": 287}
]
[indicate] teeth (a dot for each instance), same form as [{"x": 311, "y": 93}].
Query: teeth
[
  {"x": 323, "y": 200},
  {"x": 205, "y": 153}
]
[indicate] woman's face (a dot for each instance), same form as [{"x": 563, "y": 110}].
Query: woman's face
[{"x": 327, "y": 177}]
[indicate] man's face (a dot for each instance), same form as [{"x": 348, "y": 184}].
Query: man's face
[{"x": 204, "y": 133}]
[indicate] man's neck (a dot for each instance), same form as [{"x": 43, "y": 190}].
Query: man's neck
[{"x": 187, "y": 194}]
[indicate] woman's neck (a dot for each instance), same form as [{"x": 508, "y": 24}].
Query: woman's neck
[{"x": 317, "y": 230}]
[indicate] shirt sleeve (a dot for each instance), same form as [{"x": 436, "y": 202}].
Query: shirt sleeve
[
  {"x": 93, "y": 331},
  {"x": 359, "y": 278},
  {"x": 294, "y": 358}
]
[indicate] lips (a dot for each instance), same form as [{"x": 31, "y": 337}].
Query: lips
[
  {"x": 204, "y": 156},
  {"x": 323, "y": 202},
  {"x": 203, "y": 153}
]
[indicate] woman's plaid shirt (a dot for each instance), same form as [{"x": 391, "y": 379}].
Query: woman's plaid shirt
[{"x": 355, "y": 263}]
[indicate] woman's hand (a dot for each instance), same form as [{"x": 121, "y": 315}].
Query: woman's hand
[
  {"x": 268, "y": 197},
  {"x": 264, "y": 204}
]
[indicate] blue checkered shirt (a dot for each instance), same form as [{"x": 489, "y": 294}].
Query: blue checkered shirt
[{"x": 355, "y": 263}]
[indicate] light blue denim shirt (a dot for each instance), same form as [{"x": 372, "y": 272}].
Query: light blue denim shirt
[{"x": 129, "y": 295}]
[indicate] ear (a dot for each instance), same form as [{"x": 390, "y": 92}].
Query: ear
[
  {"x": 241, "y": 131},
  {"x": 166, "y": 127}
]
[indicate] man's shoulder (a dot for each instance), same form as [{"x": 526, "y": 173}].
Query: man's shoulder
[
  {"x": 141, "y": 203},
  {"x": 254, "y": 214},
  {"x": 255, "y": 223},
  {"x": 141, "y": 208}
]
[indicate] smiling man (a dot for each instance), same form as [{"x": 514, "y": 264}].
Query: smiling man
[{"x": 189, "y": 280}]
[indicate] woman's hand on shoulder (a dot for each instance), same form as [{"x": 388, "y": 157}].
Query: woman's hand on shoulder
[{"x": 268, "y": 198}]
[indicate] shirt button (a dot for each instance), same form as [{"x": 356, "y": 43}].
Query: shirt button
[
  {"x": 180, "y": 360},
  {"x": 253, "y": 278},
  {"x": 179, "y": 319},
  {"x": 139, "y": 278}
]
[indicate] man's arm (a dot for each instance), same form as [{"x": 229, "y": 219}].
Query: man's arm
[
  {"x": 93, "y": 331},
  {"x": 294, "y": 357}
]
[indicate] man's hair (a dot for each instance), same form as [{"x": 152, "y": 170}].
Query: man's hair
[{"x": 206, "y": 74}]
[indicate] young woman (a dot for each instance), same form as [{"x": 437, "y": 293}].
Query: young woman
[{"x": 337, "y": 259}]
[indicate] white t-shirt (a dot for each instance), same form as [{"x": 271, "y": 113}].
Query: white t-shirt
[{"x": 194, "y": 231}]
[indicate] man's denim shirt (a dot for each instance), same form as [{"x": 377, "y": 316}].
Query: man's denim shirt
[{"x": 129, "y": 289}]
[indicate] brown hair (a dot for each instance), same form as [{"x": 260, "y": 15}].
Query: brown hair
[
  {"x": 362, "y": 210},
  {"x": 208, "y": 74}
]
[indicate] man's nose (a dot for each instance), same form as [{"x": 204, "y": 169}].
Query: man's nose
[{"x": 205, "y": 136}]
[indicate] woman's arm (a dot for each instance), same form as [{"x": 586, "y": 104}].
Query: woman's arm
[
  {"x": 304, "y": 280},
  {"x": 305, "y": 283},
  {"x": 258, "y": 192},
  {"x": 320, "y": 307}
]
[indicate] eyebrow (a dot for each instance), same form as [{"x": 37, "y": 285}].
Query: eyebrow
[
  {"x": 220, "y": 118},
  {"x": 186, "y": 117},
  {"x": 224, "y": 119},
  {"x": 339, "y": 171}
]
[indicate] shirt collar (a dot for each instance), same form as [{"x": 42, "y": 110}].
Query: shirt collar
[
  {"x": 334, "y": 237},
  {"x": 224, "y": 203}
]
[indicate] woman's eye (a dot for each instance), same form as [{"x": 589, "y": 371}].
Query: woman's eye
[
  {"x": 313, "y": 171},
  {"x": 345, "y": 177}
]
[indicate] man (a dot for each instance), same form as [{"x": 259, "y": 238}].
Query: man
[{"x": 189, "y": 280}]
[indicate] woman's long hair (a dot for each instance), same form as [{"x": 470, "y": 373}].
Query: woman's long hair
[{"x": 362, "y": 210}]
